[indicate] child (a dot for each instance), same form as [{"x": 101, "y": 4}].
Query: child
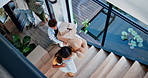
[
  {"x": 64, "y": 62},
  {"x": 53, "y": 30}
]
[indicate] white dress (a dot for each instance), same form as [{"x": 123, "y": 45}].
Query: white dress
[{"x": 70, "y": 66}]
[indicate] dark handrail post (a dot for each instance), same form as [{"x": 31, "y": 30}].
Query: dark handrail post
[
  {"x": 68, "y": 11},
  {"x": 107, "y": 24},
  {"x": 12, "y": 16}
]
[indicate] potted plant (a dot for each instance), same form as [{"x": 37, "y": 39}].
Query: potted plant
[
  {"x": 85, "y": 24},
  {"x": 23, "y": 46}
]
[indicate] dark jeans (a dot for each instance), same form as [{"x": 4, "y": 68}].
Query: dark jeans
[{"x": 41, "y": 16}]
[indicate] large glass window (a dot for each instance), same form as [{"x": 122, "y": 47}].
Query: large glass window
[
  {"x": 96, "y": 27},
  {"x": 126, "y": 39},
  {"x": 122, "y": 37}
]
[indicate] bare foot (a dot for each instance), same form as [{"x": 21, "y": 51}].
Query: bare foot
[
  {"x": 46, "y": 19},
  {"x": 70, "y": 74}
]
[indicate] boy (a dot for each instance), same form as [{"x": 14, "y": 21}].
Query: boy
[{"x": 53, "y": 31}]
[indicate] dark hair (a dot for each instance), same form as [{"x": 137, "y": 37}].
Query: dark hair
[
  {"x": 64, "y": 52},
  {"x": 52, "y": 23}
]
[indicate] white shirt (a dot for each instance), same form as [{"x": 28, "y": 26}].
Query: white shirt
[{"x": 51, "y": 33}]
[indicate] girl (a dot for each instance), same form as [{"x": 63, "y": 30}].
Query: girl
[{"x": 64, "y": 62}]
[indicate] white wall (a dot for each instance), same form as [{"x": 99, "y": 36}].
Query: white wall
[
  {"x": 57, "y": 8},
  {"x": 136, "y": 8},
  {"x": 60, "y": 10}
]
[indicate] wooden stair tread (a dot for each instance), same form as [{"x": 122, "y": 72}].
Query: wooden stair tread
[
  {"x": 120, "y": 68},
  {"x": 51, "y": 72},
  {"x": 81, "y": 62},
  {"x": 58, "y": 73},
  {"x": 94, "y": 63},
  {"x": 87, "y": 56},
  {"x": 146, "y": 76},
  {"x": 49, "y": 48},
  {"x": 48, "y": 65},
  {"x": 136, "y": 71},
  {"x": 53, "y": 51},
  {"x": 106, "y": 66},
  {"x": 78, "y": 61}
]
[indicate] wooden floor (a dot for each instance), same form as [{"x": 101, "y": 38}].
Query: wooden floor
[
  {"x": 38, "y": 35},
  {"x": 84, "y": 9}
]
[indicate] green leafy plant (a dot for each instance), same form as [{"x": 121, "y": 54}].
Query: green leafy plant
[
  {"x": 85, "y": 24},
  {"x": 133, "y": 38},
  {"x": 1, "y": 11},
  {"x": 23, "y": 46},
  {"x": 124, "y": 35},
  {"x": 74, "y": 19}
]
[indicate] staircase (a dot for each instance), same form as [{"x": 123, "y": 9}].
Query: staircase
[{"x": 98, "y": 64}]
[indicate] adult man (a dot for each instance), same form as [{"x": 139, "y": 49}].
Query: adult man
[
  {"x": 37, "y": 8},
  {"x": 53, "y": 31}
]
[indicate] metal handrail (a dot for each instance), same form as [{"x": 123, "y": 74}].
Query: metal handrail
[{"x": 122, "y": 16}]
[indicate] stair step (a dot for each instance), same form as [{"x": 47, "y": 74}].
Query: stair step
[
  {"x": 49, "y": 48},
  {"x": 136, "y": 71},
  {"x": 88, "y": 55},
  {"x": 58, "y": 73},
  {"x": 80, "y": 62},
  {"x": 106, "y": 66},
  {"x": 52, "y": 71},
  {"x": 48, "y": 65},
  {"x": 146, "y": 76},
  {"x": 120, "y": 68},
  {"x": 93, "y": 64}
]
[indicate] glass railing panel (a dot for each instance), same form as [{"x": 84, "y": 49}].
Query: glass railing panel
[
  {"x": 97, "y": 25},
  {"x": 126, "y": 35},
  {"x": 127, "y": 40}
]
